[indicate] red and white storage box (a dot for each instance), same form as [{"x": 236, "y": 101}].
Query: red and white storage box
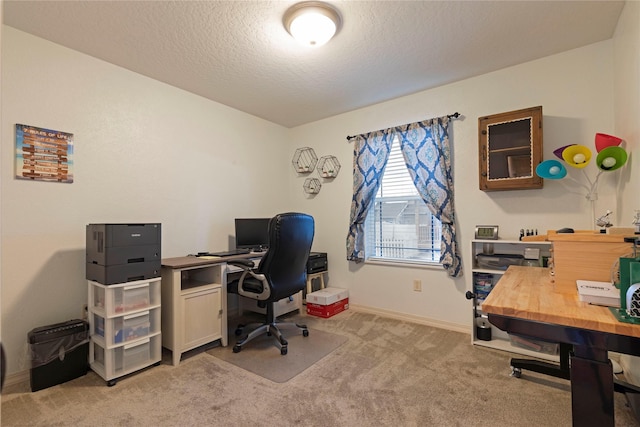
[{"x": 327, "y": 302}]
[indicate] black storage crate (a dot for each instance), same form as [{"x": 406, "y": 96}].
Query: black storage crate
[{"x": 59, "y": 353}]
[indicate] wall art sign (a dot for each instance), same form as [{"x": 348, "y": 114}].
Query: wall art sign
[{"x": 43, "y": 154}]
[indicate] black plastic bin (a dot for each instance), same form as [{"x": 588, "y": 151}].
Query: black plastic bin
[{"x": 59, "y": 353}]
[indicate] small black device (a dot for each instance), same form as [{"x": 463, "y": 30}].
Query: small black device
[
  {"x": 317, "y": 262},
  {"x": 487, "y": 232},
  {"x": 565, "y": 230},
  {"x": 252, "y": 233}
]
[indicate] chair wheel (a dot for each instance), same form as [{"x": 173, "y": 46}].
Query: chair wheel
[
  {"x": 305, "y": 332},
  {"x": 516, "y": 372},
  {"x": 283, "y": 351},
  {"x": 237, "y": 348}
]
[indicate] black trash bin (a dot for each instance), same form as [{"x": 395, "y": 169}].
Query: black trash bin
[{"x": 59, "y": 353}]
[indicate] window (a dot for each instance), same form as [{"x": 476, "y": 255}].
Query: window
[{"x": 400, "y": 227}]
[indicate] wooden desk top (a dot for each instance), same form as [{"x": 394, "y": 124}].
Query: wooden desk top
[
  {"x": 194, "y": 261},
  {"x": 528, "y": 293}
]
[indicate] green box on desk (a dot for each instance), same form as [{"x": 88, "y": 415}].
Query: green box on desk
[{"x": 629, "y": 274}]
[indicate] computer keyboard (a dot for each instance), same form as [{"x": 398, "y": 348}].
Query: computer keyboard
[{"x": 229, "y": 253}]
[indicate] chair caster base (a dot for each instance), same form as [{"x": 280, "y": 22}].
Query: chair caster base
[{"x": 516, "y": 372}]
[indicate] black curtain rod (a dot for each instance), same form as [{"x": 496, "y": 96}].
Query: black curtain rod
[{"x": 451, "y": 116}]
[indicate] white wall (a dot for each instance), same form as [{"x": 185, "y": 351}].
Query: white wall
[
  {"x": 575, "y": 90},
  {"x": 627, "y": 126},
  {"x": 1, "y": 169},
  {"x": 149, "y": 152},
  {"x": 627, "y": 104},
  {"x": 144, "y": 152}
]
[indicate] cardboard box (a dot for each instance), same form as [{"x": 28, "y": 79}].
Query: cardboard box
[
  {"x": 327, "y": 311},
  {"x": 327, "y": 296}
]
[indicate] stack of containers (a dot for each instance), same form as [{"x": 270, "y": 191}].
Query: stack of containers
[{"x": 123, "y": 273}]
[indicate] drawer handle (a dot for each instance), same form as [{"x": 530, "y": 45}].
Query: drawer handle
[
  {"x": 136, "y": 344},
  {"x": 133, "y": 316},
  {"x": 141, "y": 285}
]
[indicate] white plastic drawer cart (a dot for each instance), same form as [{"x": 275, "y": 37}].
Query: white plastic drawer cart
[{"x": 124, "y": 322}]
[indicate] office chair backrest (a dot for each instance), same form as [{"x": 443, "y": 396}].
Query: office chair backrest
[{"x": 285, "y": 263}]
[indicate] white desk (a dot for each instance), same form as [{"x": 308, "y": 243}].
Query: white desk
[{"x": 194, "y": 302}]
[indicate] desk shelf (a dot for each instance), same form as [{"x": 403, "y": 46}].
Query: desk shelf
[
  {"x": 483, "y": 279},
  {"x": 304, "y": 160},
  {"x": 312, "y": 185},
  {"x": 328, "y": 167}
]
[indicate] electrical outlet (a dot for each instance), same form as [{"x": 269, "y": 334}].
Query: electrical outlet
[
  {"x": 417, "y": 285},
  {"x": 85, "y": 312}
]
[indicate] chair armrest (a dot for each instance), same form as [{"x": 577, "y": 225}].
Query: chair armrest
[
  {"x": 245, "y": 264},
  {"x": 266, "y": 290}
]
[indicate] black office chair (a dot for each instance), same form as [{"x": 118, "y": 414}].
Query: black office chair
[{"x": 281, "y": 274}]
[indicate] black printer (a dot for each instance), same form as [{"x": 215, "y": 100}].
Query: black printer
[
  {"x": 317, "y": 262},
  {"x": 118, "y": 253}
]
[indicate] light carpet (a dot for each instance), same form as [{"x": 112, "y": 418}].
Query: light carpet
[
  {"x": 262, "y": 355},
  {"x": 388, "y": 373}
]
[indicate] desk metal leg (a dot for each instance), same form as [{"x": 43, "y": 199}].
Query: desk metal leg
[
  {"x": 591, "y": 371},
  {"x": 592, "y": 392}
]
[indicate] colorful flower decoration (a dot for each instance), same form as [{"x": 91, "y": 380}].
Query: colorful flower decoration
[{"x": 609, "y": 158}]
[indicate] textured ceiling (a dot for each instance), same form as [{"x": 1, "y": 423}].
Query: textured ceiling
[{"x": 238, "y": 53}]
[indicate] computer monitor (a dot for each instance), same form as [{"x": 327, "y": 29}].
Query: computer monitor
[{"x": 252, "y": 233}]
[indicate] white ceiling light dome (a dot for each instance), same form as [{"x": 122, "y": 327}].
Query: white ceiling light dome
[{"x": 312, "y": 23}]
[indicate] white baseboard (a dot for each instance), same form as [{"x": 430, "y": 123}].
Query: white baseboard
[
  {"x": 17, "y": 378},
  {"x": 456, "y": 327}
]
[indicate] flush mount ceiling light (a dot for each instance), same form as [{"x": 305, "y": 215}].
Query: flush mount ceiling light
[{"x": 312, "y": 23}]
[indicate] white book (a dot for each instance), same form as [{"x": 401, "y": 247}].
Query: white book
[{"x": 598, "y": 293}]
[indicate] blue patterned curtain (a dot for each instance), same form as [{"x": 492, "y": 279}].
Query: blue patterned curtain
[
  {"x": 370, "y": 155},
  {"x": 427, "y": 152}
]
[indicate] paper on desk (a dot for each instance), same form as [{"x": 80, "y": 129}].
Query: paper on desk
[
  {"x": 209, "y": 257},
  {"x": 598, "y": 293}
]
